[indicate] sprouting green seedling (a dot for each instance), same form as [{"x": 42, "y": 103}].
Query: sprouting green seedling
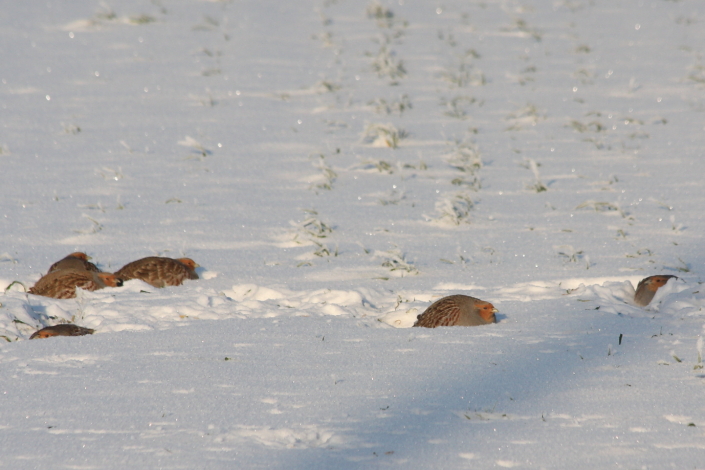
[
  {"x": 537, "y": 185},
  {"x": 571, "y": 254},
  {"x": 95, "y": 228},
  {"x": 398, "y": 106},
  {"x": 173, "y": 200},
  {"x": 195, "y": 146},
  {"x": 395, "y": 260},
  {"x": 699, "y": 347},
  {"x": 522, "y": 26},
  {"x": 386, "y": 64},
  {"x": 458, "y": 107},
  {"x": 454, "y": 208},
  {"x": 420, "y": 166},
  {"x": 393, "y": 198},
  {"x": 383, "y": 135},
  {"x": 382, "y": 166},
  {"x": 71, "y": 129},
  {"x": 684, "y": 267},
  {"x": 325, "y": 86},
  {"x": 462, "y": 75},
  {"x": 97, "y": 206},
  {"x": 381, "y": 14},
  {"x": 328, "y": 175},
  {"x": 465, "y": 157},
  {"x": 675, "y": 227},
  {"x": 7, "y": 257},
  {"x": 142, "y": 19},
  {"x": 311, "y": 232},
  {"x": 585, "y": 76},
  {"x": 18, "y": 283},
  {"x": 600, "y": 206},
  {"x": 107, "y": 13},
  {"x": 525, "y": 116}
]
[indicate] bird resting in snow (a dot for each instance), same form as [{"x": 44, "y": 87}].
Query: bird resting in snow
[
  {"x": 646, "y": 290},
  {"x": 62, "y": 284},
  {"x": 160, "y": 272},
  {"x": 457, "y": 310},
  {"x": 64, "y": 329},
  {"x": 77, "y": 260}
]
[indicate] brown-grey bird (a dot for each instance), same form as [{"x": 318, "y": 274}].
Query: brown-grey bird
[
  {"x": 160, "y": 272},
  {"x": 65, "y": 329},
  {"x": 77, "y": 260},
  {"x": 646, "y": 290},
  {"x": 457, "y": 310},
  {"x": 62, "y": 284}
]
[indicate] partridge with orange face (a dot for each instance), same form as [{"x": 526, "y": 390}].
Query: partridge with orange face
[
  {"x": 457, "y": 310},
  {"x": 160, "y": 272},
  {"x": 76, "y": 260},
  {"x": 646, "y": 290},
  {"x": 66, "y": 329},
  {"x": 62, "y": 284}
]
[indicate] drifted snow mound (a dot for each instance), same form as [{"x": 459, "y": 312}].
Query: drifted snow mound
[
  {"x": 138, "y": 306},
  {"x": 678, "y": 297}
]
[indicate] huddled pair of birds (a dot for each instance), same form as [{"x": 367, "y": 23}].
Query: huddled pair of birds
[
  {"x": 75, "y": 270},
  {"x": 463, "y": 310}
]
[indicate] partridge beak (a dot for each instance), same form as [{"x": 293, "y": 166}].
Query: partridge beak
[{"x": 494, "y": 310}]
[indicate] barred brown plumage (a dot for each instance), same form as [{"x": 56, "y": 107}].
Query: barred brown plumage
[
  {"x": 62, "y": 284},
  {"x": 457, "y": 310},
  {"x": 66, "y": 329},
  {"x": 159, "y": 272},
  {"x": 646, "y": 290}
]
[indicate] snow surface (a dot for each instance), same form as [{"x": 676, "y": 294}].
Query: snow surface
[{"x": 334, "y": 167}]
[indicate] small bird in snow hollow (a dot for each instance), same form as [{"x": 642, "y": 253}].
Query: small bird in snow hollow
[
  {"x": 160, "y": 272},
  {"x": 457, "y": 310},
  {"x": 646, "y": 290},
  {"x": 66, "y": 329},
  {"x": 76, "y": 260},
  {"x": 62, "y": 284}
]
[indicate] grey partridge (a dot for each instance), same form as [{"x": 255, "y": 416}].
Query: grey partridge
[
  {"x": 160, "y": 272},
  {"x": 76, "y": 260},
  {"x": 62, "y": 284},
  {"x": 457, "y": 310},
  {"x": 65, "y": 329},
  {"x": 646, "y": 290}
]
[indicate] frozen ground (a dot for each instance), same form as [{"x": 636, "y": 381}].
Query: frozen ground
[{"x": 334, "y": 166}]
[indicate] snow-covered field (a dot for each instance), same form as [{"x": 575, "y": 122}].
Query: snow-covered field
[{"x": 335, "y": 166}]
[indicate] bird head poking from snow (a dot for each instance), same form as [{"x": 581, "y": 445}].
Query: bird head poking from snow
[
  {"x": 79, "y": 255},
  {"x": 646, "y": 290},
  {"x": 41, "y": 334},
  {"x": 110, "y": 280}
]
